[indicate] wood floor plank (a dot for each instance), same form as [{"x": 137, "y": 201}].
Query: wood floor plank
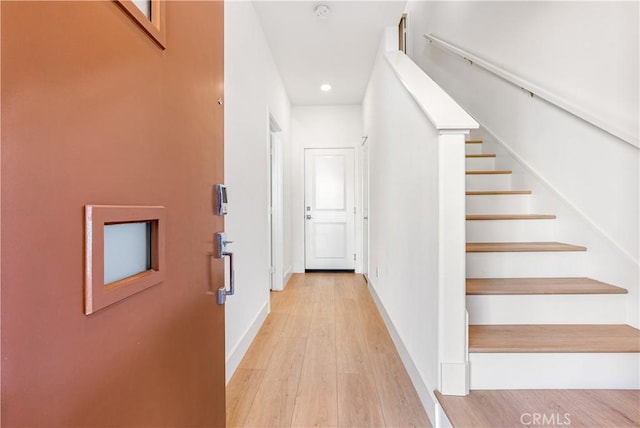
[
  {"x": 350, "y": 341},
  {"x": 486, "y": 286},
  {"x": 301, "y": 299},
  {"x": 399, "y": 400},
  {"x": 358, "y": 402},
  {"x": 241, "y": 392},
  {"x": 362, "y": 288},
  {"x": 297, "y": 325},
  {"x": 344, "y": 289},
  {"x": 320, "y": 356},
  {"x": 554, "y": 338},
  {"x": 322, "y": 324},
  {"x": 287, "y": 358},
  {"x": 324, "y": 297},
  {"x": 274, "y": 402},
  {"x": 279, "y": 302},
  {"x": 519, "y": 247},
  {"x": 317, "y": 396},
  {"x": 374, "y": 331},
  {"x": 283, "y": 302},
  {"x": 260, "y": 351},
  {"x": 573, "y": 408},
  {"x": 316, "y": 402}
]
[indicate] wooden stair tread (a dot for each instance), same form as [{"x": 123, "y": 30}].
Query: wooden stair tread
[
  {"x": 498, "y": 192},
  {"x": 554, "y": 338},
  {"x": 491, "y": 286},
  {"x": 510, "y": 217},
  {"x": 481, "y": 155},
  {"x": 512, "y": 408},
  {"x": 502, "y": 247},
  {"x": 490, "y": 172},
  {"x": 473, "y": 141}
]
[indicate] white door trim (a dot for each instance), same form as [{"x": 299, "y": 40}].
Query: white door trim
[
  {"x": 364, "y": 177},
  {"x": 275, "y": 207}
]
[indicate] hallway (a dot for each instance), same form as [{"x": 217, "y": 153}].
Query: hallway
[{"x": 323, "y": 358}]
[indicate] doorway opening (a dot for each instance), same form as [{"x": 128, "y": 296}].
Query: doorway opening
[{"x": 402, "y": 34}]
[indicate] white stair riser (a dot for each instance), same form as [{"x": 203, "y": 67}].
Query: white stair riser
[
  {"x": 488, "y": 181},
  {"x": 555, "y": 370},
  {"x": 480, "y": 164},
  {"x": 498, "y": 204},
  {"x": 528, "y": 265},
  {"x": 473, "y": 149},
  {"x": 547, "y": 309},
  {"x": 511, "y": 230}
]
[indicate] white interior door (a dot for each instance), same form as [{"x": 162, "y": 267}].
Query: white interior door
[{"x": 329, "y": 209}]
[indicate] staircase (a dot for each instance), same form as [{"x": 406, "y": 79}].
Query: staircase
[{"x": 535, "y": 321}]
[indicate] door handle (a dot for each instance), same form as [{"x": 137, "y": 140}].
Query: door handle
[
  {"x": 222, "y": 291},
  {"x": 309, "y": 217},
  {"x": 220, "y": 253}
]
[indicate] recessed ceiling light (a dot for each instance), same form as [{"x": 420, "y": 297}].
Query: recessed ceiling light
[{"x": 325, "y": 87}]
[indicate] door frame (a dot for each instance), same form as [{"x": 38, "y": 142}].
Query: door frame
[
  {"x": 365, "y": 183},
  {"x": 275, "y": 205}
]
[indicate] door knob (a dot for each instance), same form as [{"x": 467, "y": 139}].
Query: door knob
[{"x": 309, "y": 217}]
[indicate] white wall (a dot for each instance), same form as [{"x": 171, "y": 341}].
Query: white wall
[
  {"x": 586, "y": 52},
  {"x": 403, "y": 221},
  {"x": 314, "y": 127},
  {"x": 253, "y": 91}
]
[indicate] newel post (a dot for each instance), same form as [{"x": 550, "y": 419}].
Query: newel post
[{"x": 452, "y": 319}]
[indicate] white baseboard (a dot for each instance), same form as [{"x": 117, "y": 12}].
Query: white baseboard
[
  {"x": 235, "y": 356},
  {"x": 425, "y": 391},
  {"x": 442, "y": 421},
  {"x": 288, "y": 273}
]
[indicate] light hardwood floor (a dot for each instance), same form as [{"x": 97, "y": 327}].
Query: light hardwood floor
[{"x": 323, "y": 358}]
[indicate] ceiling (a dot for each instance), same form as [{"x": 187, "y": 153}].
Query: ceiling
[{"x": 339, "y": 49}]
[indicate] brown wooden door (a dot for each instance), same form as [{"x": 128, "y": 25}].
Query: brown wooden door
[{"x": 95, "y": 112}]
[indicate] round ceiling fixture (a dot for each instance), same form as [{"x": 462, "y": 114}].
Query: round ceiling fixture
[
  {"x": 322, "y": 11},
  {"x": 325, "y": 87}
]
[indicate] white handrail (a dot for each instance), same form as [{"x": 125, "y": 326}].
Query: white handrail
[{"x": 623, "y": 134}]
